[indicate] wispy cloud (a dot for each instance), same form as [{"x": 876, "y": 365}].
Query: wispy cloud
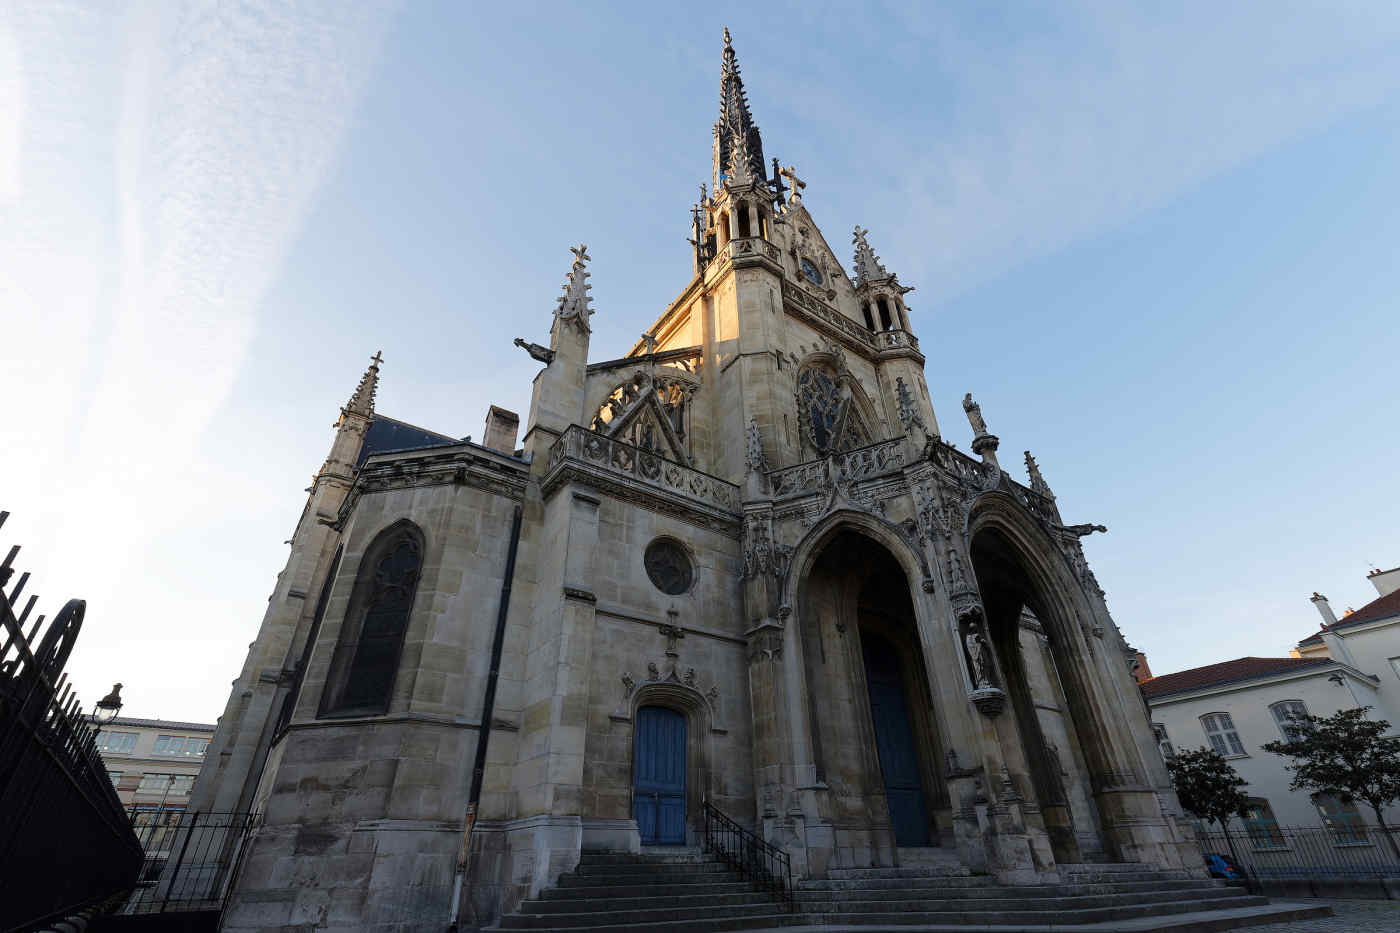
[
  {"x": 143, "y": 244},
  {"x": 1036, "y": 132}
]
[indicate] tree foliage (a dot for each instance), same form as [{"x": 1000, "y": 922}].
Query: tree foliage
[
  {"x": 1344, "y": 754},
  {"x": 1207, "y": 786}
]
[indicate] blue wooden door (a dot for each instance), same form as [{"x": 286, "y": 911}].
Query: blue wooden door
[
  {"x": 894, "y": 741},
  {"x": 658, "y": 792}
]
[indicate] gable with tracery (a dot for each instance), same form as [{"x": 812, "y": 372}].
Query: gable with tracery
[{"x": 651, "y": 411}]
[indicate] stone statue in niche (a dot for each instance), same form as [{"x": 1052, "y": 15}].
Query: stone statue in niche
[
  {"x": 978, "y": 658},
  {"x": 957, "y": 576}
]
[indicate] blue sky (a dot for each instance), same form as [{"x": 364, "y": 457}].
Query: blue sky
[{"x": 1159, "y": 245}]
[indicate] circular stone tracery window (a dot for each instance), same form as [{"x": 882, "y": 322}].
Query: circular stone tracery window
[{"x": 668, "y": 566}]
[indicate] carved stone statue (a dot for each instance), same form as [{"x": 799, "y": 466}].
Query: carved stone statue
[
  {"x": 978, "y": 659},
  {"x": 957, "y": 576},
  {"x": 974, "y": 415},
  {"x": 543, "y": 354}
]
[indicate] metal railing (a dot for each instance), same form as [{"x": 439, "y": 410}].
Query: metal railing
[
  {"x": 65, "y": 842},
  {"x": 753, "y": 857},
  {"x": 1276, "y": 853},
  {"x": 192, "y": 859}
]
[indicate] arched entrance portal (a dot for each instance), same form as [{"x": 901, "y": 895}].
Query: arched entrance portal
[
  {"x": 874, "y": 738},
  {"x": 1040, "y": 678}
]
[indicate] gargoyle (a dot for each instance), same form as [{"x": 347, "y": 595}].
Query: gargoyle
[{"x": 543, "y": 354}]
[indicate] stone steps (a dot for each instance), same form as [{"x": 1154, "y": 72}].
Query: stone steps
[
  {"x": 679, "y": 892},
  {"x": 688, "y": 892}
]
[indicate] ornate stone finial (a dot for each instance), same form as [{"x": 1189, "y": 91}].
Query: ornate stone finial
[
  {"x": 362, "y": 400},
  {"x": 740, "y": 165},
  {"x": 754, "y": 461},
  {"x": 573, "y": 304},
  {"x": 974, "y": 416},
  {"x": 1038, "y": 483},
  {"x": 867, "y": 265},
  {"x": 908, "y": 414}
]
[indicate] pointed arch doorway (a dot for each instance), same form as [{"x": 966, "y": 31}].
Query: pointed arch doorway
[{"x": 873, "y": 727}]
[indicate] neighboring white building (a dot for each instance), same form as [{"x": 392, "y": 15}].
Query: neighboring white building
[{"x": 1237, "y": 706}]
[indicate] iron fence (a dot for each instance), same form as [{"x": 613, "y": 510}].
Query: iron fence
[
  {"x": 1285, "y": 853},
  {"x": 753, "y": 857},
  {"x": 192, "y": 858},
  {"x": 65, "y": 841}
]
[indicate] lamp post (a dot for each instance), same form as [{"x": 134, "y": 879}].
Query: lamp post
[{"x": 107, "y": 708}]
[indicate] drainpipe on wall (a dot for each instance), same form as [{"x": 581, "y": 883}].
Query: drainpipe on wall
[{"x": 488, "y": 707}]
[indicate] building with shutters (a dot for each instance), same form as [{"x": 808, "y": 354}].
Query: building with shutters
[
  {"x": 1237, "y": 706},
  {"x": 738, "y": 564}
]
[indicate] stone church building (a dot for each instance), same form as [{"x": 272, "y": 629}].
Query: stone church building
[{"x": 740, "y": 566}]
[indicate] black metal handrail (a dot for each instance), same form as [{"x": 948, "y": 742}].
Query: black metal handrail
[{"x": 753, "y": 857}]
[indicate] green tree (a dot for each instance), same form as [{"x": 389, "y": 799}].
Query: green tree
[
  {"x": 1207, "y": 786},
  {"x": 1347, "y": 755}
]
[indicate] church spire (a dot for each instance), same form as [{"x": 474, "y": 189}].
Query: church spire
[
  {"x": 735, "y": 121},
  {"x": 362, "y": 401}
]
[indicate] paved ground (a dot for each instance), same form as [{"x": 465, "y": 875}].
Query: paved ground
[{"x": 1351, "y": 917}]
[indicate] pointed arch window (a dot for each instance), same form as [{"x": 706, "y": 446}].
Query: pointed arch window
[{"x": 366, "y": 659}]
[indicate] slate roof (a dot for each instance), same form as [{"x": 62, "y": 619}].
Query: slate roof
[
  {"x": 1381, "y": 608},
  {"x": 385, "y": 434},
  {"x": 1214, "y": 675}
]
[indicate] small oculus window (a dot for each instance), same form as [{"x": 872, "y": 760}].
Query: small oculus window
[
  {"x": 668, "y": 566},
  {"x": 811, "y": 272}
]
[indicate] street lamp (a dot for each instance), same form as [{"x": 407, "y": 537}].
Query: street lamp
[{"x": 108, "y": 707}]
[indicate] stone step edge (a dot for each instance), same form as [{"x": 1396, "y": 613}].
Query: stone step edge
[
  {"x": 610, "y": 918},
  {"x": 1198, "y": 922}
]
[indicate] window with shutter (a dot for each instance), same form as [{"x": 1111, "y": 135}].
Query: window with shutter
[{"x": 1220, "y": 729}]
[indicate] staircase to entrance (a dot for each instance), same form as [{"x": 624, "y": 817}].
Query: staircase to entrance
[{"x": 688, "y": 891}]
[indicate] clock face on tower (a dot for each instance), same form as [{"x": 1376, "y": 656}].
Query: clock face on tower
[{"x": 809, "y": 269}]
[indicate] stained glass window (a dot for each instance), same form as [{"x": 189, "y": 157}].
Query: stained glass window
[{"x": 367, "y": 657}]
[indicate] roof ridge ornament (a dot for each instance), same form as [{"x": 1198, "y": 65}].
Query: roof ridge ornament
[
  {"x": 867, "y": 265},
  {"x": 573, "y": 304},
  {"x": 1038, "y": 483}
]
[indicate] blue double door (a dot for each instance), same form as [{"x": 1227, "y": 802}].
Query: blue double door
[
  {"x": 658, "y": 789},
  {"x": 894, "y": 741}
]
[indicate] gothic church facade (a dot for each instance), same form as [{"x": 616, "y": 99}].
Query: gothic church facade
[{"x": 739, "y": 567}]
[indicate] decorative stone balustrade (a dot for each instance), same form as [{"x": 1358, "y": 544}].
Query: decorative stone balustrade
[
  {"x": 650, "y": 469},
  {"x": 896, "y": 340},
  {"x": 795, "y": 296},
  {"x": 847, "y": 467}
]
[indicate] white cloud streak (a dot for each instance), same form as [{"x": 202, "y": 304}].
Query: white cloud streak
[{"x": 136, "y": 253}]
